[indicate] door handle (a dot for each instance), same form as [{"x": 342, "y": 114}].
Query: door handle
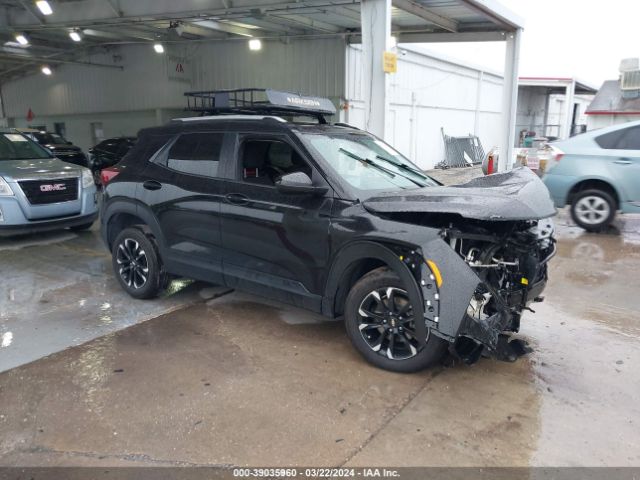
[
  {"x": 152, "y": 185},
  {"x": 623, "y": 161},
  {"x": 237, "y": 198}
]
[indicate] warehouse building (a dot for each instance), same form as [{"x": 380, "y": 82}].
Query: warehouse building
[
  {"x": 121, "y": 84},
  {"x": 428, "y": 93}
]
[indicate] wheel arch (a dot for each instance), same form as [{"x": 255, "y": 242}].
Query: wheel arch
[
  {"x": 356, "y": 260},
  {"x": 594, "y": 183},
  {"x": 121, "y": 214}
]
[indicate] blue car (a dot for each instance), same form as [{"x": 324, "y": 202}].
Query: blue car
[
  {"x": 597, "y": 174},
  {"x": 38, "y": 192}
]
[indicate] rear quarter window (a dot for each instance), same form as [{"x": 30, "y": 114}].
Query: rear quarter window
[
  {"x": 623, "y": 139},
  {"x": 196, "y": 153},
  {"x": 146, "y": 147}
]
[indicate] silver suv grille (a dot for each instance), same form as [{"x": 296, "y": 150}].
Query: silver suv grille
[{"x": 43, "y": 192}]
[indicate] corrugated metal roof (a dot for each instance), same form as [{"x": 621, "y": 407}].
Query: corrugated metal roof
[
  {"x": 107, "y": 23},
  {"x": 609, "y": 100}
]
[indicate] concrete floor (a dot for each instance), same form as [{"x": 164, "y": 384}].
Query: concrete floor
[{"x": 200, "y": 377}]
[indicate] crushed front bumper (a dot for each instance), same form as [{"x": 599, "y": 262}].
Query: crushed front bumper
[{"x": 446, "y": 307}]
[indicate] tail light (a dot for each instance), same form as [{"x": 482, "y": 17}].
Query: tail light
[
  {"x": 556, "y": 153},
  {"x": 108, "y": 174},
  {"x": 549, "y": 157}
]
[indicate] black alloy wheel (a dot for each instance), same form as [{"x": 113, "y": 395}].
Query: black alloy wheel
[
  {"x": 136, "y": 264},
  {"x": 381, "y": 324},
  {"x": 387, "y": 325}
]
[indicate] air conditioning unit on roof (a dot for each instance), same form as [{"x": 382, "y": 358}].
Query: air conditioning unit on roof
[{"x": 629, "y": 64}]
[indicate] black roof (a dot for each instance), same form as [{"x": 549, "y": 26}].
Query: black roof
[{"x": 239, "y": 123}]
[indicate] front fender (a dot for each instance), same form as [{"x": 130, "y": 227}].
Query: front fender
[
  {"x": 359, "y": 250},
  {"x": 458, "y": 284},
  {"x": 442, "y": 306}
]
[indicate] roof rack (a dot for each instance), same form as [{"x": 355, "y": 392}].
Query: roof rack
[{"x": 258, "y": 101}]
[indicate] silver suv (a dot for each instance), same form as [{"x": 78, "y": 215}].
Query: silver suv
[{"x": 39, "y": 192}]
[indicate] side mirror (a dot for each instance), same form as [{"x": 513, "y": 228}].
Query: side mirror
[{"x": 298, "y": 182}]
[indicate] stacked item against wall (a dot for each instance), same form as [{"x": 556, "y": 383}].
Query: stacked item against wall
[{"x": 461, "y": 151}]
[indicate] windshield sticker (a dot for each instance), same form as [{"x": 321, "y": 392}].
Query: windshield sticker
[{"x": 14, "y": 137}]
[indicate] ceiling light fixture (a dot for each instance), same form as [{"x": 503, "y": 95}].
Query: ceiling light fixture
[
  {"x": 158, "y": 48},
  {"x": 75, "y": 36},
  {"x": 46, "y": 70},
  {"x": 44, "y": 7},
  {"x": 22, "y": 39},
  {"x": 255, "y": 44}
]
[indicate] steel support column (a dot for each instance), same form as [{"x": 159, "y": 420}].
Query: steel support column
[
  {"x": 509, "y": 100},
  {"x": 567, "y": 121},
  {"x": 376, "y": 38}
]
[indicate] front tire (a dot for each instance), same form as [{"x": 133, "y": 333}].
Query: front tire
[
  {"x": 379, "y": 322},
  {"x": 136, "y": 264},
  {"x": 593, "y": 209}
]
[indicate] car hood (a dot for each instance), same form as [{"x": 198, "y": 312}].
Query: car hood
[
  {"x": 16, "y": 169},
  {"x": 515, "y": 195},
  {"x": 63, "y": 147}
]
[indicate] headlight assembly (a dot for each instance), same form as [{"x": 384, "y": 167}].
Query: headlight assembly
[
  {"x": 5, "y": 189},
  {"x": 87, "y": 178}
]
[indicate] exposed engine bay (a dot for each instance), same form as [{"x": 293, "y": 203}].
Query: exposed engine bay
[{"x": 511, "y": 260}]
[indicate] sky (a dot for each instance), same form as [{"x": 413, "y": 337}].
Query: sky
[{"x": 585, "y": 39}]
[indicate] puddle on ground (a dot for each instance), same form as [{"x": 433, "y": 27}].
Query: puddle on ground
[{"x": 6, "y": 339}]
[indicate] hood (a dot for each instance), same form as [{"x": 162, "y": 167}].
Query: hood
[
  {"x": 62, "y": 147},
  {"x": 17, "y": 169},
  {"x": 515, "y": 195}
]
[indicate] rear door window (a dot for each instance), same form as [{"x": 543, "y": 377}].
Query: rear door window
[
  {"x": 624, "y": 139},
  {"x": 196, "y": 153}
]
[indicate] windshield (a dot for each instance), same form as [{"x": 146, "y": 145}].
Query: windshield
[
  {"x": 14, "y": 146},
  {"x": 45, "y": 138},
  {"x": 367, "y": 163}
]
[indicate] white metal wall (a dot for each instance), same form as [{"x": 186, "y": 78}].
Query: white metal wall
[
  {"x": 150, "y": 86},
  {"x": 601, "y": 121},
  {"x": 430, "y": 92}
]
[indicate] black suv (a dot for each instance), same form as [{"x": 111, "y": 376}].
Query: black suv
[
  {"x": 108, "y": 153},
  {"x": 332, "y": 219},
  {"x": 59, "y": 146}
]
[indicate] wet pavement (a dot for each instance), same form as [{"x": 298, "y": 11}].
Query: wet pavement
[
  {"x": 57, "y": 290},
  {"x": 237, "y": 380}
]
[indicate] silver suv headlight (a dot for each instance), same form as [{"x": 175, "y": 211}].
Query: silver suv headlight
[
  {"x": 5, "y": 189},
  {"x": 87, "y": 178}
]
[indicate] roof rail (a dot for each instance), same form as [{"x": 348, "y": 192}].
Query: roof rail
[
  {"x": 258, "y": 101},
  {"x": 346, "y": 125}
]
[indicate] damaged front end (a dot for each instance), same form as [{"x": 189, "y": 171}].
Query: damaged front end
[
  {"x": 510, "y": 259},
  {"x": 489, "y": 262}
]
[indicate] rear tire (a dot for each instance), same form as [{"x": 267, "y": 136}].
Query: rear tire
[
  {"x": 593, "y": 209},
  {"x": 381, "y": 293},
  {"x": 136, "y": 264}
]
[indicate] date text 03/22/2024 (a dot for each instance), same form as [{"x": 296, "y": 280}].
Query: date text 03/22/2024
[{"x": 315, "y": 473}]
